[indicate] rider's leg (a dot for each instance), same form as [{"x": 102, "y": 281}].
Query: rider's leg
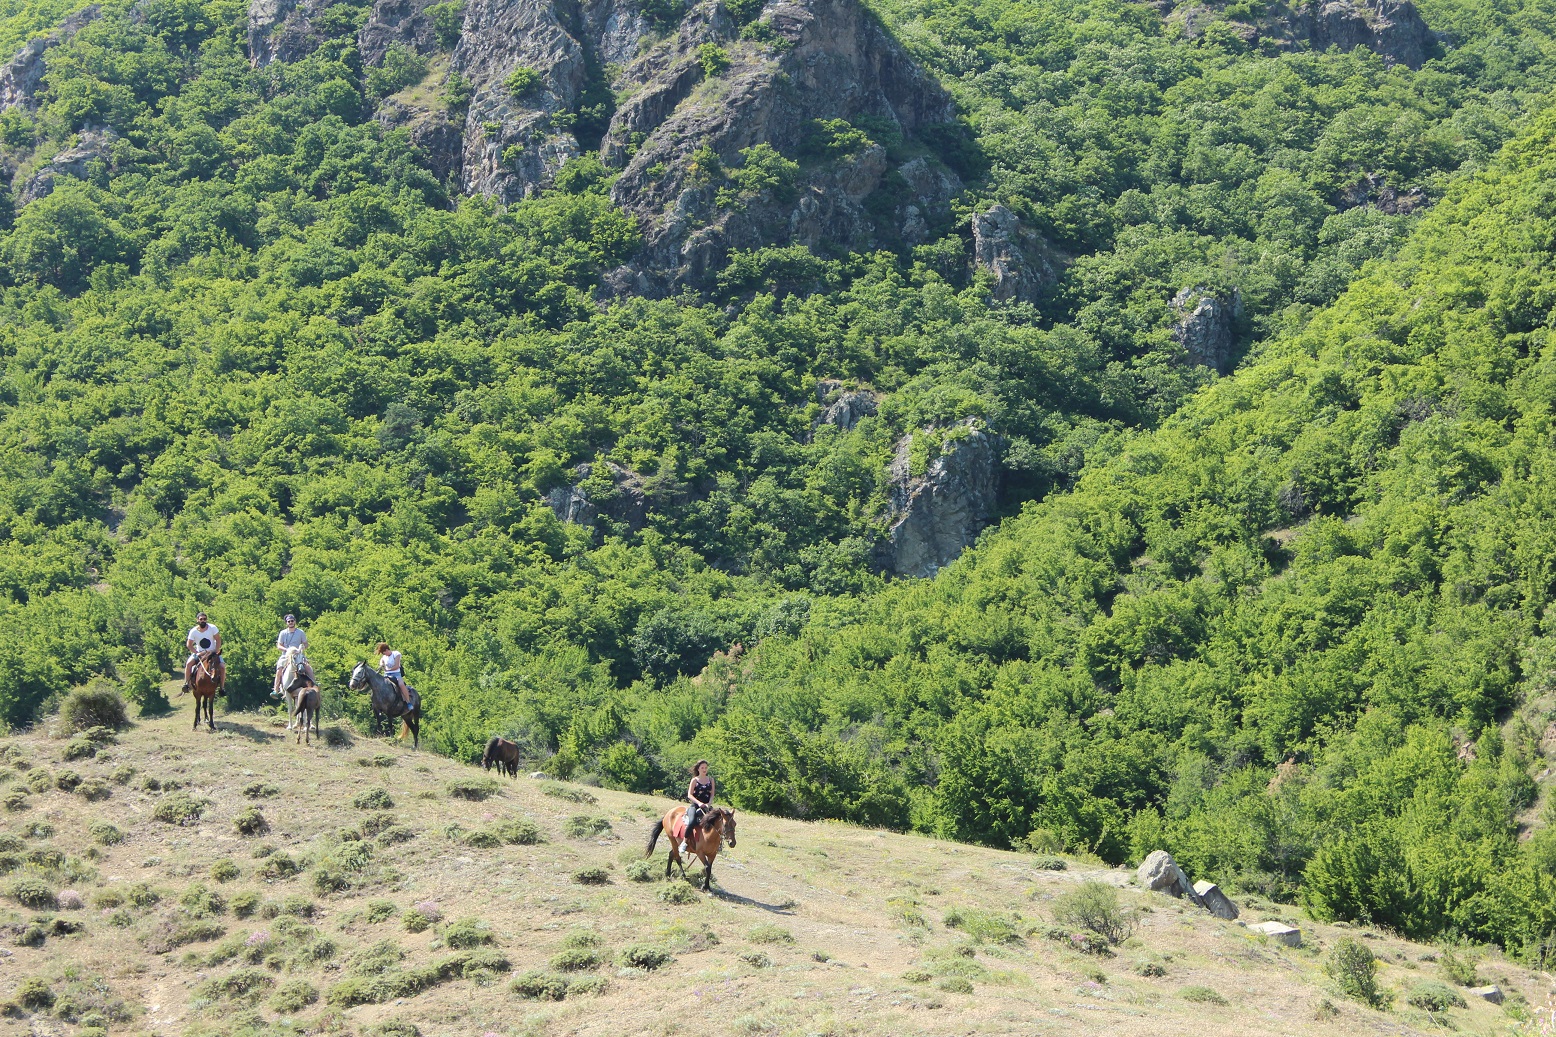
[
  {"x": 405, "y": 690},
  {"x": 275, "y": 690},
  {"x": 221, "y": 676},
  {"x": 189, "y": 672},
  {"x": 691, "y": 823}
]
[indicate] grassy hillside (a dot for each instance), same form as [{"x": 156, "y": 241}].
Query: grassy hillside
[{"x": 380, "y": 899}]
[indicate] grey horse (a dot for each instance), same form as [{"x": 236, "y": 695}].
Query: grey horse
[{"x": 387, "y": 703}]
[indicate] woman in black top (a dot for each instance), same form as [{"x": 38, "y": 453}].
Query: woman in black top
[{"x": 699, "y": 794}]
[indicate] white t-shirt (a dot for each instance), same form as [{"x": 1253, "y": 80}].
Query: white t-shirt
[
  {"x": 196, "y": 635},
  {"x": 391, "y": 662},
  {"x": 292, "y": 639}
]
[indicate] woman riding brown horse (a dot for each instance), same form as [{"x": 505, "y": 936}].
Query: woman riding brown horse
[{"x": 718, "y": 825}]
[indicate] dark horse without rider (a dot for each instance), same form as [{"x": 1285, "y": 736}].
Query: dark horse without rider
[{"x": 388, "y": 703}]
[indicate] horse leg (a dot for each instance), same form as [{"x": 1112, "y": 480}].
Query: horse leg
[
  {"x": 707, "y": 876},
  {"x": 210, "y": 712},
  {"x": 197, "y": 713}
]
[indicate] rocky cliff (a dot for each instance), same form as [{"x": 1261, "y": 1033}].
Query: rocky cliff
[
  {"x": 939, "y": 512},
  {"x": 22, "y": 76},
  {"x": 674, "y": 106},
  {"x": 1393, "y": 29}
]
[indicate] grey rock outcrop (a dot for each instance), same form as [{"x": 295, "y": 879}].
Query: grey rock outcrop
[
  {"x": 625, "y": 501},
  {"x": 1014, "y": 256},
  {"x": 843, "y": 407},
  {"x": 284, "y": 30},
  {"x": 1493, "y": 993},
  {"x": 1372, "y": 190},
  {"x": 1161, "y": 874},
  {"x": 396, "y": 21},
  {"x": 1391, "y": 28},
  {"x": 92, "y": 145},
  {"x": 1207, "y": 326},
  {"x": 571, "y": 505},
  {"x": 1280, "y": 932},
  {"x": 21, "y": 77},
  {"x": 938, "y": 515},
  {"x": 1215, "y": 901}
]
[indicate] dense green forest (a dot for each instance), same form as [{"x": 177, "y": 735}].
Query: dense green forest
[{"x": 259, "y": 359}]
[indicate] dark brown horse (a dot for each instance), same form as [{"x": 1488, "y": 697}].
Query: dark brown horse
[
  {"x": 502, "y": 754},
  {"x": 305, "y": 708},
  {"x": 718, "y": 824},
  {"x": 204, "y": 683}
]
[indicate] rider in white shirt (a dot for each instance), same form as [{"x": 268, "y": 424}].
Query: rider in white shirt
[
  {"x": 393, "y": 668},
  {"x": 204, "y": 637},
  {"x": 292, "y": 636}
]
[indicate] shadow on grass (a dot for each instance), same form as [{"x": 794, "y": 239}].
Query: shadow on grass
[
  {"x": 253, "y": 734},
  {"x": 735, "y": 898}
]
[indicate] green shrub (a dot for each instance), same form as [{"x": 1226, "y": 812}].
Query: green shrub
[
  {"x": 376, "y": 824},
  {"x": 517, "y": 832},
  {"x": 380, "y": 911},
  {"x": 473, "y": 789},
  {"x": 583, "y": 826},
  {"x": 141, "y": 895},
  {"x": 713, "y": 59},
  {"x": 466, "y": 933},
  {"x": 576, "y": 959},
  {"x": 94, "y": 790},
  {"x": 243, "y": 986},
  {"x": 392, "y": 1028},
  {"x": 92, "y": 706},
  {"x": 581, "y": 939},
  {"x": 414, "y": 921},
  {"x": 293, "y": 996},
  {"x": 1460, "y": 968},
  {"x": 394, "y": 835},
  {"x": 15, "y": 798},
  {"x": 9, "y": 862},
  {"x": 200, "y": 902},
  {"x": 1201, "y": 995},
  {"x": 278, "y": 866},
  {"x": 680, "y": 894},
  {"x": 1094, "y": 908},
  {"x": 1049, "y": 862},
  {"x": 1434, "y": 997},
  {"x": 1150, "y": 969},
  {"x": 10, "y": 843},
  {"x": 45, "y": 859},
  {"x": 592, "y": 876},
  {"x": 260, "y": 790},
  {"x": 985, "y": 926},
  {"x": 1354, "y": 969},
  {"x": 521, "y": 81},
  {"x": 30, "y": 892},
  {"x": 178, "y": 808},
  {"x": 646, "y": 956},
  {"x": 38, "y": 830},
  {"x": 40, "y": 780},
  {"x": 916, "y": 976},
  {"x": 766, "y": 932},
  {"x": 243, "y": 904},
  {"x": 35, "y": 994},
  {"x": 557, "y": 790},
  {"x": 955, "y": 985},
  {"x": 104, "y": 834},
  {"x": 79, "y": 748},
  {"x": 122, "y": 775},
  {"x": 585, "y": 986},
  {"x": 756, "y": 959},
  {"x": 373, "y": 799},
  {"x": 174, "y": 931},
  {"x": 642, "y": 871},
  {"x": 540, "y": 986},
  {"x": 376, "y": 959},
  {"x": 250, "y": 822}
]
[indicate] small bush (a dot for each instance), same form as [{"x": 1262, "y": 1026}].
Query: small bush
[
  {"x": 373, "y": 799},
  {"x": 466, "y": 933},
  {"x": 79, "y": 748},
  {"x": 757, "y": 959},
  {"x": 336, "y": 737},
  {"x": 521, "y": 81},
  {"x": 766, "y": 932},
  {"x": 69, "y": 900},
  {"x": 200, "y": 902},
  {"x": 92, "y": 706},
  {"x": 45, "y": 859},
  {"x": 245, "y": 903},
  {"x": 250, "y": 822},
  {"x": 122, "y": 775},
  {"x": 679, "y": 894},
  {"x": 1354, "y": 969},
  {"x": 94, "y": 790},
  {"x": 584, "y": 986},
  {"x": 278, "y": 866},
  {"x": 583, "y": 826},
  {"x": 296, "y": 906},
  {"x": 380, "y": 760},
  {"x": 175, "y": 931},
  {"x": 11, "y": 843},
  {"x": 394, "y": 835},
  {"x": 245, "y": 986},
  {"x": 293, "y": 996},
  {"x": 1150, "y": 969},
  {"x": 375, "y": 824},
  {"x": 224, "y": 870},
  {"x": 1434, "y": 997},
  {"x": 30, "y": 892},
  {"x": 473, "y": 789},
  {"x": 591, "y": 876},
  {"x": 581, "y": 939},
  {"x": 376, "y": 959},
  {"x": 15, "y": 798},
  {"x": 1202, "y": 995},
  {"x": 1460, "y": 968},
  {"x": 576, "y": 959},
  {"x": 66, "y": 781},
  {"x": 1049, "y": 862},
  {"x": 985, "y": 926},
  {"x": 380, "y": 911},
  {"x": 517, "y": 832},
  {"x": 645, "y": 956},
  {"x": 955, "y": 985},
  {"x": 38, "y": 830},
  {"x": 40, "y": 780},
  {"x": 392, "y": 1028},
  {"x": 141, "y": 895},
  {"x": 260, "y": 790},
  {"x": 540, "y": 986},
  {"x": 35, "y": 994},
  {"x": 415, "y": 922},
  {"x": 567, "y": 792},
  {"x": 642, "y": 871},
  {"x": 1094, "y": 907},
  {"x": 104, "y": 834},
  {"x": 178, "y": 808}
]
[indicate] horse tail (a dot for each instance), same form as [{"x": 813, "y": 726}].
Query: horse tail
[
  {"x": 405, "y": 727},
  {"x": 653, "y": 837}
]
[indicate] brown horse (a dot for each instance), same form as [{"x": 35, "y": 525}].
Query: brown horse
[
  {"x": 718, "y": 824},
  {"x": 204, "y": 684},
  {"x": 305, "y": 707},
  {"x": 502, "y": 754}
]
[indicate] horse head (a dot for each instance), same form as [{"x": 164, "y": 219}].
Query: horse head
[
  {"x": 358, "y": 679},
  {"x": 729, "y": 826}
]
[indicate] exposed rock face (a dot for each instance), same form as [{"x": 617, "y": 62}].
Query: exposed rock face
[
  {"x": 1492, "y": 993},
  {"x": 938, "y": 515},
  {"x": 1014, "y": 255},
  {"x": 1280, "y": 932},
  {"x": 1373, "y": 190},
  {"x": 21, "y": 78},
  {"x": 92, "y": 144},
  {"x": 843, "y": 407},
  {"x": 396, "y": 21},
  {"x": 283, "y": 30},
  {"x": 625, "y": 502},
  {"x": 1215, "y": 901},
  {"x": 1207, "y": 326},
  {"x": 1391, "y": 28},
  {"x": 437, "y": 136},
  {"x": 1161, "y": 874}
]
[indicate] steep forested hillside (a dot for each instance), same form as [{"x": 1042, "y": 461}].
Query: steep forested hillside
[{"x": 263, "y": 354}]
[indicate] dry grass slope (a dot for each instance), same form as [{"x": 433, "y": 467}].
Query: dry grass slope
[{"x": 237, "y": 884}]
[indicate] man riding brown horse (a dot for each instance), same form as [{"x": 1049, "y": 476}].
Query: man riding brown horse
[{"x": 205, "y": 640}]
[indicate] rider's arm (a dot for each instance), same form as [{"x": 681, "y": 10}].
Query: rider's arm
[
  {"x": 713, "y": 791},
  {"x": 216, "y": 645},
  {"x": 689, "y": 786}
]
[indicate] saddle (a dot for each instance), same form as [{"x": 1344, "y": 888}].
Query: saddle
[{"x": 678, "y": 829}]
